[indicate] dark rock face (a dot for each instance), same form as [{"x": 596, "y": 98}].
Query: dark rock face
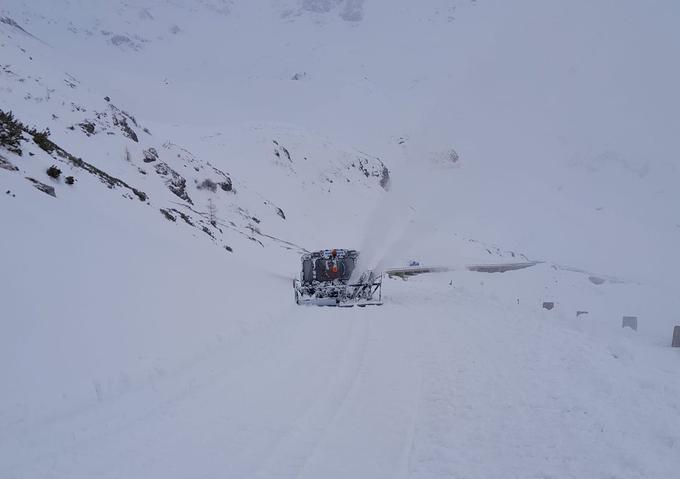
[
  {"x": 174, "y": 181},
  {"x": 280, "y": 212},
  {"x": 281, "y": 152},
  {"x": 5, "y": 164},
  {"x": 168, "y": 215},
  {"x": 43, "y": 187},
  {"x": 549, "y": 305},
  {"x": 184, "y": 216},
  {"x": 226, "y": 185},
  {"x": 374, "y": 167},
  {"x": 43, "y": 141},
  {"x": 104, "y": 121},
  {"x": 150, "y": 155},
  {"x": 120, "y": 119},
  {"x": 140, "y": 194},
  {"x": 87, "y": 127},
  {"x": 125, "y": 128}
]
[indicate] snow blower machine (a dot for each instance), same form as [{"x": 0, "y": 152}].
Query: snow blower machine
[{"x": 328, "y": 278}]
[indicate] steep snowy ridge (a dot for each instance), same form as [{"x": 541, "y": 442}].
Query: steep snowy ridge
[{"x": 147, "y": 322}]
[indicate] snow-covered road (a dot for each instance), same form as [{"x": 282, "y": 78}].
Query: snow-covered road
[{"x": 442, "y": 381}]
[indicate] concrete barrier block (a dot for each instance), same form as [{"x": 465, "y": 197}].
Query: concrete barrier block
[{"x": 630, "y": 322}]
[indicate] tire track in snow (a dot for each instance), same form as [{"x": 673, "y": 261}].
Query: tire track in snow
[
  {"x": 293, "y": 452},
  {"x": 136, "y": 413},
  {"x": 371, "y": 433}
]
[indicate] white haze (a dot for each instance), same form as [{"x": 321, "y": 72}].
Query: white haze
[{"x": 136, "y": 344}]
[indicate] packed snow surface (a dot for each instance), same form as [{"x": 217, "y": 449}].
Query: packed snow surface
[{"x": 147, "y": 321}]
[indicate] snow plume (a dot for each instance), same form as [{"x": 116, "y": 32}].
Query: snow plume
[
  {"x": 399, "y": 222},
  {"x": 388, "y": 228},
  {"x": 407, "y": 224}
]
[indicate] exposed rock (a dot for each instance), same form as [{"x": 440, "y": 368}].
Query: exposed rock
[
  {"x": 125, "y": 128},
  {"x": 140, "y": 194},
  {"x": 281, "y": 152},
  {"x": 184, "y": 216},
  {"x": 374, "y": 167},
  {"x": 87, "y": 127},
  {"x": 120, "y": 119},
  {"x": 174, "y": 181},
  {"x": 5, "y": 164},
  {"x": 104, "y": 177},
  {"x": 168, "y": 215},
  {"x": 280, "y": 212},
  {"x": 207, "y": 231},
  {"x": 12, "y": 23},
  {"x": 53, "y": 172},
  {"x": 150, "y": 155},
  {"x": 42, "y": 187}
]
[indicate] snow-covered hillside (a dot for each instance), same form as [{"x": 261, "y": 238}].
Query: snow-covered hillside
[{"x": 147, "y": 322}]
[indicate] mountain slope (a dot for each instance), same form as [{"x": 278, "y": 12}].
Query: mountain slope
[{"x": 148, "y": 324}]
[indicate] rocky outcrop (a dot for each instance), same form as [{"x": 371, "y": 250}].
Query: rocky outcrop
[
  {"x": 43, "y": 187},
  {"x": 374, "y": 167},
  {"x": 150, "y": 155},
  {"x": 174, "y": 181}
]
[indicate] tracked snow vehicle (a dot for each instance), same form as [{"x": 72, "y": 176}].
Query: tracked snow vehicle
[{"x": 328, "y": 278}]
